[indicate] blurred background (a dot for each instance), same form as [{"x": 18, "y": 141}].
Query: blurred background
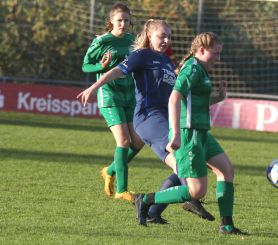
[{"x": 45, "y": 41}]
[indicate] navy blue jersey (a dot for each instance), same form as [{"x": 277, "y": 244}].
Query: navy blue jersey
[{"x": 154, "y": 77}]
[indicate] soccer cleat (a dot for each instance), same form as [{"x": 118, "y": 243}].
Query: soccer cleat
[
  {"x": 195, "y": 207},
  {"x": 108, "y": 181},
  {"x": 142, "y": 209},
  {"x": 231, "y": 230},
  {"x": 127, "y": 195},
  {"x": 157, "y": 220}
]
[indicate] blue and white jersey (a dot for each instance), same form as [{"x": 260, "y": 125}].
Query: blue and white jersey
[{"x": 154, "y": 77}]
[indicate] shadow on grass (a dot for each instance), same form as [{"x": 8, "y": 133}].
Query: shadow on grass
[
  {"x": 250, "y": 170},
  {"x": 62, "y": 125},
  {"x": 96, "y": 159},
  {"x": 266, "y": 234},
  {"x": 101, "y": 127},
  {"x": 73, "y": 158}
]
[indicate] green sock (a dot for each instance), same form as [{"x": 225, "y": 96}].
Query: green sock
[
  {"x": 176, "y": 194},
  {"x": 132, "y": 152},
  {"x": 120, "y": 158},
  {"x": 225, "y": 198}
]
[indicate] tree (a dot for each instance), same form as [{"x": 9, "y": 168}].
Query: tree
[{"x": 41, "y": 39}]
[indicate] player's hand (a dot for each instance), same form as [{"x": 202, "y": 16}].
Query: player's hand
[
  {"x": 86, "y": 95},
  {"x": 174, "y": 144},
  {"x": 106, "y": 59}
]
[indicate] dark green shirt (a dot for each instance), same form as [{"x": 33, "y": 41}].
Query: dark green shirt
[
  {"x": 195, "y": 86},
  {"x": 119, "y": 92}
]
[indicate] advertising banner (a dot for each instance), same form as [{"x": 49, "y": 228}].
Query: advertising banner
[
  {"x": 45, "y": 99},
  {"x": 260, "y": 115}
]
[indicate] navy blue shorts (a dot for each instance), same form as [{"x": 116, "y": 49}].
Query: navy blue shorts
[{"x": 153, "y": 130}]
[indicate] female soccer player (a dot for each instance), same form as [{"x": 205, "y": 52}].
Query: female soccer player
[
  {"x": 154, "y": 78},
  {"x": 194, "y": 146},
  {"x": 116, "y": 100}
]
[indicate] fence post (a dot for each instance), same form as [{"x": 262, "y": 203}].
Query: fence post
[
  {"x": 91, "y": 28},
  {"x": 200, "y": 16}
]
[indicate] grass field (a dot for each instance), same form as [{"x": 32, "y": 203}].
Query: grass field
[{"x": 51, "y": 192}]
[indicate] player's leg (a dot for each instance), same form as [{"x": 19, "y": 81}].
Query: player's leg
[
  {"x": 116, "y": 120},
  {"x": 193, "y": 206},
  {"x": 218, "y": 161},
  {"x": 154, "y": 131},
  {"x": 221, "y": 166},
  {"x": 191, "y": 166},
  {"x": 135, "y": 146},
  {"x": 155, "y": 211},
  {"x": 132, "y": 152},
  {"x": 136, "y": 143},
  {"x": 176, "y": 194},
  {"x": 170, "y": 160}
]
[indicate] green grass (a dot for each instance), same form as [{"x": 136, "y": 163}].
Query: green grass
[{"x": 51, "y": 192}]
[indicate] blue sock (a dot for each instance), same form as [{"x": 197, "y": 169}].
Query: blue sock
[{"x": 156, "y": 210}]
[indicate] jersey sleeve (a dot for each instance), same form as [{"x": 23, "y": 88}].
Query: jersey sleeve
[
  {"x": 132, "y": 62},
  {"x": 187, "y": 78},
  {"x": 91, "y": 62}
]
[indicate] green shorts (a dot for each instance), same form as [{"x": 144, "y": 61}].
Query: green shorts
[
  {"x": 117, "y": 115},
  {"x": 197, "y": 146},
  {"x": 213, "y": 148}
]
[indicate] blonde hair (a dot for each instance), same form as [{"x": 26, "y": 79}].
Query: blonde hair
[
  {"x": 142, "y": 40},
  {"x": 118, "y": 7},
  {"x": 205, "y": 40}
]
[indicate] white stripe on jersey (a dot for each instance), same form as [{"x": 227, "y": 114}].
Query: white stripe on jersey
[
  {"x": 101, "y": 97},
  {"x": 188, "y": 110},
  {"x": 195, "y": 136}
]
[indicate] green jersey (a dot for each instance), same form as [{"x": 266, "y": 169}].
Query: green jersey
[
  {"x": 120, "y": 92},
  {"x": 195, "y": 86}
]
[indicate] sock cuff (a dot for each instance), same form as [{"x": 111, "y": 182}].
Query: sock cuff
[
  {"x": 227, "y": 220},
  {"x": 134, "y": 149},
  {"x": 119, "y": 148},
  {"x": 174, "y": 178},
  {"x": 149, "y": 198},
  {"x": 225, "y": 183},
  {"x": 223, "y": 187}
]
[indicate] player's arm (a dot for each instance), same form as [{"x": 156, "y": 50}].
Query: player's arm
[
  {"x": 109, "y": 76},
  {"x": 95, "y": 59},
  {"x": 174, "y": 118},
  {"x": 96, "y": 62},
  {"x": 222, "y": 93}
]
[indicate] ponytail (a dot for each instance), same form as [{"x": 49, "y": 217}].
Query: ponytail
[{"x": 185, "y": 58}]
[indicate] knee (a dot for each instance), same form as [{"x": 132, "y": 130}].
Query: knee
[
  {"x": 197, "y": 192},
  {"x": 124, "y": 142},
  {"x": 228, "y": 174},
  {"x": 225, "y": 173},
  {"x": 136, "y": 141}
]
